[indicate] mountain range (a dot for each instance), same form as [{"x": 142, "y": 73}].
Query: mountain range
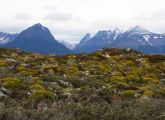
[
  {"x": 137, "y": 38},
  {"x": 38, "y": 38}
]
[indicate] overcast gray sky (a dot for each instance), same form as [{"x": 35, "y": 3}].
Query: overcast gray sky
[{"x": 69, "y": 20}]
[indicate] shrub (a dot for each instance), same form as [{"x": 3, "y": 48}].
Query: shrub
[
  {"x": 25, "y": 73},
  {"x": 152, "y": 80},
  {"x": 116, "y": 73},
  {"x": 49, "y": 77},
  {"x": 36, "y": 80},
  {"x": 20, "y": 68},
  {"x": 133, "y": 78},
  {"x": 72, "y": 70},
  {"x": 68, "y": 90},
  {"x": 106, "y": 94},
  {"x": 42, "y": 94},
  {"x": 37, "y": 87},
  {"x": 122, "y": 85},
  {"x": 117, "y": 79},
  {"x": 129, "y": 63},
  {"x": 2, "y": 63},
  {"x": 11, "y": 82},
  {"x": 29, "y": 72},
  {"x": 102, "y": 67},
  {"x": 151, "y": 75},
  {"x": 76, "y": 81},
  {"x": 128, "y": 94},
  {"x": 148, "y": 93}
]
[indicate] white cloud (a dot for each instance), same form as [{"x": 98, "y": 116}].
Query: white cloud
[
  {"x": 51, "y": 7},
  {"x": 22, "y": 16},
  {"x": 58, "y": 16},
  {"x": 154, "y": 16},
  {"x": 70, "y": 19}
]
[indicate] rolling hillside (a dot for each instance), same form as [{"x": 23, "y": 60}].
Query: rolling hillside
[{"x": 116, "y": 83}]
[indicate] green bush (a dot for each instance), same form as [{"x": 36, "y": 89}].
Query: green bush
[
  {"x": 30, "y": 72},
  {"x": 150, "y": 80},
  {"x": 11, "y": 82},
  {"x": 2, "y": 63},
  {"x": 148, "y": 93},
  {"x": 128, "y": 94},
  {"x": 42, "y": 94},
  {"x": 117, "y": 79},
  {"x": 37, "y": 87},
  {"x": 133, "y": 78},
  {"x": 36, "y": 80},
  {"x": 68, "y": 90},
  {"x": 122, "y": 85}
]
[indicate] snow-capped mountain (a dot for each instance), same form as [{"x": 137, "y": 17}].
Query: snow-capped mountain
[
  {"x": 138, "y": 30},
  {"x": 37, "y": 39},
  {"x": 7, "y": 37},
  {"x": 102, "y": 39},
  {"x": 137, "y": 38},
  {"x": 66, "y": 44}
]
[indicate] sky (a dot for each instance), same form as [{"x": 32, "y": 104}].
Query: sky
[{"x": 70, "y": 20}]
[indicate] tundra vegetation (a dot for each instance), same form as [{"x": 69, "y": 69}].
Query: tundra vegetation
[{"x": 109, "y": 84}]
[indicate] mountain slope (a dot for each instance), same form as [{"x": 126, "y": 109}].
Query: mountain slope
[
  {"x": 137, "y": 38},
  {"x": 38, "y": 39},
  {"x": 83, "y": 41},
  {"x": 100, "y": 40},
  {"x": 7, "y": 37},
  {"x": 66, "y": 44}
]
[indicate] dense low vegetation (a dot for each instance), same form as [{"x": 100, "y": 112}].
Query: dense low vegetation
[{"x": 110, "y": 84}]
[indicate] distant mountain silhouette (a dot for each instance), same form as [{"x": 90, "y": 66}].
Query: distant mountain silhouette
[{"x": 38, "y": 39}]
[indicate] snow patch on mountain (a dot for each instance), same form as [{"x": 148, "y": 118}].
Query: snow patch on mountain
[
  {"x": 6, "y": 37},
  {"x": 68, "y": 45},
  {"x": 138, "y": 30},
  {"x": 141, "y": 42},
  {"x": 116, "y": 32},
  {"x": 147, "y": 37}
]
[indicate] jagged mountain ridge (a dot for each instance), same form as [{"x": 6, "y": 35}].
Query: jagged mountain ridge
[{"x": 137, "y": 38}]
